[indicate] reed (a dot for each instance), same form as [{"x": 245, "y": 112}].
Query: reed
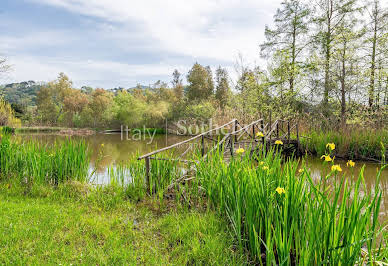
[
  {"x": 356, "y": 144},
  {"x": 34, "y": 163},
  {"x": 282, "y": 216}
]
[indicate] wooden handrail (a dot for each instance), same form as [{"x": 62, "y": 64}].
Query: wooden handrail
[{"x": 185, "y": 141}]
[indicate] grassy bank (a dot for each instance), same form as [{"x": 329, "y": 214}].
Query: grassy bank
[
  {"x": 45, "y": 227},
  {"x": 264, "y": 207},
  {"x": 359, "y": 145}
]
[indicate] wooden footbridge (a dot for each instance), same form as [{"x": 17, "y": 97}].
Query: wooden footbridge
[{"x": 230, "y": 137}]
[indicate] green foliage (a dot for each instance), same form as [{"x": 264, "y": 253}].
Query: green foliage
[
  {"x": 201, "y": 85},
  {"x": 355, "y": 144},
  {"x": 33, "y": 163},
  {"x": 7, "y": 115},
  {"x": 23, "y": 93},
  {"x": 201, "y": 111},
  {"x": 306, "y": 223}
]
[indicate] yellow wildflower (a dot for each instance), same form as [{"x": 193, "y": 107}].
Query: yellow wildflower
[
  {"x": 265, "y": 168},
  {"x": 301, "y": 170},
  {"x": 336, "y": 167},
  {"x": 260, "y": 134},
  {"x": 102, "y": 145},
  {"x": 279, "y": 142},
  {"x": 240, "y": 150},
  {"x": 280, "y": 190},
  {"x": 350, "y": 163},
  {"x": 331, "y": 146},
  {"x": 261, "y": 163},
  {"x": 327, "y": 158}
]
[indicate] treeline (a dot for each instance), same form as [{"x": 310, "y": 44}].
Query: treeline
[
  {"x": 58, "y": 103},
  {"x": 326, "y": 65}
]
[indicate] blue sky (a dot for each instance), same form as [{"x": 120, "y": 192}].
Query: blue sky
[{"x": 111, "y": 43}]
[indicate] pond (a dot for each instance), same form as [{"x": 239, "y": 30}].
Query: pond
[{"x": 118, "y": 148}]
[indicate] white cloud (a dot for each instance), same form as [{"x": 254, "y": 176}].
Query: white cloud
[
  {"x": 215, "y": 29},
  {"x": 179, "y": 32},
  {"x": 88, "y": 72}
]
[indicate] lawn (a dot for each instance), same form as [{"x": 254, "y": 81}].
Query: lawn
[{"x": 46, "y": 231}]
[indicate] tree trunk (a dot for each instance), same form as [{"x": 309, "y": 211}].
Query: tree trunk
[
  {"x": 373, "y": 63},
  {"x": 327, "y": 59},
  {"x": 343, "y": 99}
]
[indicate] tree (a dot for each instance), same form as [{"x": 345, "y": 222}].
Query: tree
[
  {"x": 74, "y": 103},
  {"x": 222, "y": 87},
  {"x": 50, "y": 98},
  {"x": 201, "y": 85},
  {"x": 100, "y": 102},
  {"x": 376, "y": 40},
  {"x": 288, "y": 36},
  {"x": 345, "y": 46},
  {"x": 330, "y": 15},
  {"x": 177, "y": 85}
]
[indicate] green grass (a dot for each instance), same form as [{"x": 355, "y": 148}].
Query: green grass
[
  {"x": 31, "y": 162},
  {"x": 223, "y": 211},
  {"x": 356, "y": 144},
  {"x": 38, "y": 129},
  {"x": 328, "y": 221},
  {"x": 48, "y": 229}
]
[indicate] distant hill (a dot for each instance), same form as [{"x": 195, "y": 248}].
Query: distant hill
[{"x": 22, "y": 93}]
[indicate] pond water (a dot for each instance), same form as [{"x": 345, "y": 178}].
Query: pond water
[{"x": 118, "y": 148}]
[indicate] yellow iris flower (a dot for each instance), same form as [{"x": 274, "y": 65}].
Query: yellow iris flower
[
  {"x": 279, "y": 142},
  {"x": 350, "y": 163},
  {"x": 327, "y": 158},
  {"x": 260, "y": 134},
  {"x": 331, "y": 146},
  {"x": 265, "y": 168},
  {"x": 240, "y": 150},
  {"x": 336, "y": 167},
  {"x": 301, "y": 170},
  {"x": 280, "y": 190}
]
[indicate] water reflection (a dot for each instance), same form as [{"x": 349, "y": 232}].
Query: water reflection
[{"x": 116, "y": 149}]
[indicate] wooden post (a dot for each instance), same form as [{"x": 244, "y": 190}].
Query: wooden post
[
  {"x": 202, "y": 146},
  {"x": 288, "y": 130},
  {"x": 253, "y": 131},
  {"x": 231, "y": 145},
  {"x": 147, "y": 166},
  {"x": 235, "y": 129},
  {"x": 277, "y": 130},
  {"x": 262, "y": 126}
]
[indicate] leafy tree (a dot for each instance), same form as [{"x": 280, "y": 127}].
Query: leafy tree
[
  {"x": 376, "y": 41},
  {"x": 345, "y": 46},
  {"x": 328, "y": 18},
  {"x": 177, "y": 85},
  {"x": 288, "y": 36},
  {"x": 222, "y": 87},
  {"x": 50, "y": 99},
  {"x": 201, "y": 84},
  {"x": 99, "y": 105},
  {"x": 74, "y": 103},
  {"x": 7, "y": 115}
]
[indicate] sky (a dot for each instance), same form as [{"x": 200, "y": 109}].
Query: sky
[{"x": 112, "y": 43}]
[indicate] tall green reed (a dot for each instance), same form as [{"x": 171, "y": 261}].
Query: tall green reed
[
  {"x": 327, "y": 222},
  {"x": 357, "y": 144},
  {"x": 32, "y": 162}
]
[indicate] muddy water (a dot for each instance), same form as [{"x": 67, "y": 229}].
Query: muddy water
[{"x": 118, "y": 148}]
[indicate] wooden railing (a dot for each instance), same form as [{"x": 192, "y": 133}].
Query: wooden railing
[{"x": 236, "y": 134}]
